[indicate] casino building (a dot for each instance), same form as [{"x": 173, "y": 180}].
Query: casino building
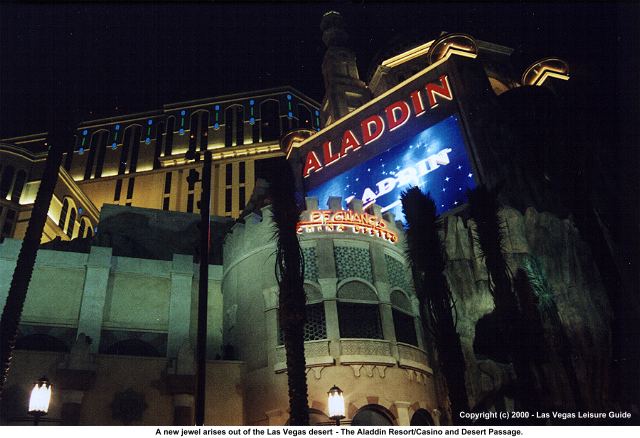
[{"x": 110, "y": 315}]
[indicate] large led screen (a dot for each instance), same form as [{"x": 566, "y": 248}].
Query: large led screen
[{"x": 434, "y": 160}]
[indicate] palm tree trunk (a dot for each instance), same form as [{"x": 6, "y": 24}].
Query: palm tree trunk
[
  {"x": 428, "y": 261},
  {"x": 27, "y": 257},
  {"x": 290, "y": 277},
  {"x": 484, "y": 207}
]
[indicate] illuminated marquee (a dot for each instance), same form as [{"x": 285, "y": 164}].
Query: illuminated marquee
[
  {"x": 374, "y": 127},
  {"x": 435, "y": 160},
  {"x": 347, "y": 220}
]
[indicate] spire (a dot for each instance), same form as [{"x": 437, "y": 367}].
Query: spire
[{"x": 344, "y": 91}]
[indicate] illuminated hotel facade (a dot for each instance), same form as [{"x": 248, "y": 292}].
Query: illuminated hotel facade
[{"x": 120, "y": 330}]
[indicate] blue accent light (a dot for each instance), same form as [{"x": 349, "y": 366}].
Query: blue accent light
[
  {"x": 288, "y": 97},
  {"x": 117, "y": 127},
  {"x": 216, "y": 125},
  {"x": 434, "y": 160},
  {"x": 81, "y": 151},
  {"x": 290, "y": 114},
  {"x": 183, "y": 112},
  {"x": 114, "y": 145},
  {"x": 147, "y": 140},
  {"x": 252, "y": 102},
  {"x": 317, "y": 113},
  {"x": 181, "y": 131},
  {"x": 217, "y": 107},
  {"x": 252, "y": 120},
  {"x": 80, "y": 210},
  {"x": 84, "y": 132},
  {"x": 149, "y": 122}
]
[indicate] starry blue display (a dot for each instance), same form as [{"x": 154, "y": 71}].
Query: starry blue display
[{"x": 421, "y": 161}]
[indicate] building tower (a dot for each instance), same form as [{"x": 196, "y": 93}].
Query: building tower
[{"x": 344, "y": 91}]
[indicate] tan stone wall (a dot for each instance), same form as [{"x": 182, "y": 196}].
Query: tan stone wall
[{"x": 116, "y": 374}]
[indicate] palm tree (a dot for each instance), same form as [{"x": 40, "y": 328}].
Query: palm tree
[
  {"x": 508, "y": 318},
  {"x": 290, "y": 277},
  {"x": 436, "y": 302},
  {"x": 27, "y": 257}
]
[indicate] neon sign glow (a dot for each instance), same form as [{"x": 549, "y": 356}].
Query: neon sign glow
[
  {"x": 374, "y": 127},
  {"x": 347, "y": 220},
  {"x": 434, "y": 160}
]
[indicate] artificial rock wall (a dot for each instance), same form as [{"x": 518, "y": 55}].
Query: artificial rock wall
[{"x": 573, "y": 278}]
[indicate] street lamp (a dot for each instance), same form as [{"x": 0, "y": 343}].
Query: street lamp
[
  {"x": 336, "y": 404},
  {"x": 39, "y": 400}
]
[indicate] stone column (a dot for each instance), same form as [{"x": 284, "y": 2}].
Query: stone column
[
  {"x": 180, "y": 302},
  {"x": 403, "y": 413},
  {"x": 74, "y": 376},
  {"x": 328, "y": 282},
  {"x": 179, "y": 381},
  {"x": 94, "y": 293},
  {"x": 381, "y": 282}
]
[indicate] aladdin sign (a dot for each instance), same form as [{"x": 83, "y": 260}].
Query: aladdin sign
[
  {"x": 435, "y": 160},
  {"x": 347, "y": 221},
  {"x": 375, "y": 127}
]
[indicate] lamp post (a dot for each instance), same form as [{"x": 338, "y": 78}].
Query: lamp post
[
  {"x": 39, "y": 400},
  {"x": 336, "y": 404}
]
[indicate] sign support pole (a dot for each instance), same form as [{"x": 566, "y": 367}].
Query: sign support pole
[{"x": 203, "y": 291}]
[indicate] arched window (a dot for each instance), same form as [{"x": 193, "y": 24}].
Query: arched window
[
  {"x": 234, "y": 126},
  {"x": 304, "y": 117},
  {"x": 100, "y": 150},
  {"x": 158, "y": 146},
  {"x": 270, "y": 120},
  {"x": 63, "y": 213},
  {"x": 93, "y": 147},
  {"x": 168, "y": 141},
  {"x": 358, "y": 311},
  {"x": 204, "y": 130},
  {"x": 72, "y": 222},
  {"x": 194, "y": 124},
  {"x": 316, "y": 327},
  {"x": 372, "y": 415},
  {"x": 85, "y": 227},
  {"x": 124, "y": 153},
  {"x": 6, "y": 181},
  {"x": 18, "y": 185},
  {"x": 422, "y": 417},
  {"x": 403, "y": 320},
  {"x": 135, "y": 148}
]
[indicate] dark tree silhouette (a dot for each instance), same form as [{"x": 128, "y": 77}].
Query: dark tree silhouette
[
  {"x": 290, "y": 277},
  {"x": 427, "y": 258},
  {"x": 508, "y": 318},
  {"x": 27, "y": 257}
]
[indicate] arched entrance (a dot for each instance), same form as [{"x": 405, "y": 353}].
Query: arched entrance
[
  {"x": 372, "y": 415},
  {"x": 422, "y": 417}
]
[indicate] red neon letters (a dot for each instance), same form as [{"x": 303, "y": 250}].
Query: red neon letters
[{"x": 374, "y": 127}]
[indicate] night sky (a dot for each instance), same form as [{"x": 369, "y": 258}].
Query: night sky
[{"x": 82, "y": 62}]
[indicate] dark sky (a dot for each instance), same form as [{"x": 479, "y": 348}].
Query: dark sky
[{"x": 94, "y": 61}]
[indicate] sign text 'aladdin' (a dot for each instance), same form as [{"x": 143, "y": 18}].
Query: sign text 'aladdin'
[
  {"x": 347, "y": 220},
  {"x": 374, "y": 127}
]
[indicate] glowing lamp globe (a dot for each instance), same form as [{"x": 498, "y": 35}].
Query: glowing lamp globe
[
  {"x": 336, "y": 403},
  {"x": 40, "y": 397}
]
